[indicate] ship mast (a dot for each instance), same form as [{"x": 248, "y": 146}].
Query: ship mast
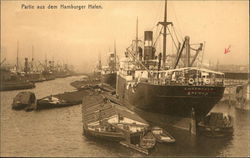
[
  {"x": 165, "y": 24},
  {"x": 32, "y": 58},
  {"x": 100, "y": 61},
  {"x": 115, "y": 53},
  {"x": 46, "y": 61},
  {"x": 136, "y": 38},
  {"x": 17, "y": 57},
  {"x": 165, "y": 34}
]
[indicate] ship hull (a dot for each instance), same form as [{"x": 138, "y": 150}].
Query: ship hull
[
  {"x": 104, "y": 135},
  {"x": 109, "y": 79},
  {"x": 176, "y": 100},
  {"x": 15, "y": 85}
]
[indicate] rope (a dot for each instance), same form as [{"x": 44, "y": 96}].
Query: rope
[
  {"x": 175, "y": 34},
  {"x": 157, "y": 37},
  {"x": 172, "y": 38},
  {"x": 173, "y": 7}
]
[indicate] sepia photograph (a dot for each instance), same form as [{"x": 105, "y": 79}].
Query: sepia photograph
[{"x": 124, "y": 78}]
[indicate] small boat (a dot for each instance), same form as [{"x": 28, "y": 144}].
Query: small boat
[
  {"x": 97, "y": 111},
  {"x": 85, "y": 83},
  {"x": 148, "y": 141},
  {"x": 62, "y": 99},
  {"x": 24, "y": 100},
  {"x": 106, "y": 120},
  {"x": 51, "y": 102},
  {"x": 216, "y": 124},
  {"x": 162, "y": 136}
]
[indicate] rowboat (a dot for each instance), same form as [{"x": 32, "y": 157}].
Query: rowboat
[{"x": 162, "y": 136}]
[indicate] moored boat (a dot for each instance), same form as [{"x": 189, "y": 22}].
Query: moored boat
[
  {"x": 162, "y": 135},
  {"x": 51, "y": 102},
  {"x": 148, "y": 140},
  {"x": 106, "y": 120},
  {"x": 24, "y": 100},
  {"x": 96, "y": 112},
  {"x": 216, "y": 124},
  {"x": 16, "y": 85},
  {"x": 86, "y": 83}
]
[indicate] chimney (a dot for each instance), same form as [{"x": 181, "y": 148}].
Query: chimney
[{"x": 148, "y": 45}]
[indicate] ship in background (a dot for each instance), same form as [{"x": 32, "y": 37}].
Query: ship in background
[
  {"x": 169, "y": 84},
  {"x": 13, "y": 78},
  {"x": 98, "y": 68},
  {"x": 108, "y": 72},
  {"x": 23, "y": 76}
]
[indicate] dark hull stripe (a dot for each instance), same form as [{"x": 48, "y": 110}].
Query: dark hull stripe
[{"x": 173, "y": 100}]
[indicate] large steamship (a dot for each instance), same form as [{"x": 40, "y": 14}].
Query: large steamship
[{"x": 148, "y": 80}]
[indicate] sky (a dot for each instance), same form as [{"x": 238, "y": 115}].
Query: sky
[{"x": 77, "y": 36}]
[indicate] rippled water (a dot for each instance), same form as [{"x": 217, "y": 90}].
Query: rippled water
[{"x": 58, "y": 132}]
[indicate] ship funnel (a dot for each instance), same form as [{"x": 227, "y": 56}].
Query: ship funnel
[
  {"x": 148, "y": 36},
  {"x": 149, "y": 51},
  {"x": 26, "y": 65}
]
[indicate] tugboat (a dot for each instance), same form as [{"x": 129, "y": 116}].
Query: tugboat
[
  {"x": 108, "y": 73},
  {"x": 148, "y": 82}
]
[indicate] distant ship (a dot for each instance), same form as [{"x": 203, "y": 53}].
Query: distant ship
[
  {"x": 147, "y": 81},
  {"x": 13, "y": 79},
  {"x": 108, "y": 72}
]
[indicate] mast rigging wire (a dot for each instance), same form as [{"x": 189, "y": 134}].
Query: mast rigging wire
[
  {"x": 172, "y": 37},
  {"x": 158, "y": 36}
]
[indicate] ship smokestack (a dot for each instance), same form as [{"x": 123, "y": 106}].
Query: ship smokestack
[
  {"x": 26, "y": 69},
  {"x": 149, "y": 51}
]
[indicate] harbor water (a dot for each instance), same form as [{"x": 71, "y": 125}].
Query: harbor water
[{"x": 58, "y": 132}]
